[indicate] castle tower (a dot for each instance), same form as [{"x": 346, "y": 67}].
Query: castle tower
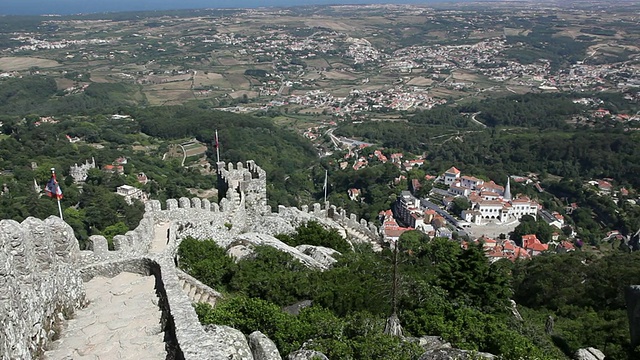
[
  {"x": 507, "y": 190},
  {"x": 250, "y": 180}
]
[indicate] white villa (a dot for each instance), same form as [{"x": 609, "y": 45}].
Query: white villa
[
  {"x": 129, "y": 193},
  {"x": 452, "y": 175},
  {"x": 489, "y": 201}
]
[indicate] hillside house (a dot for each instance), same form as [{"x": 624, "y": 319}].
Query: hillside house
[{"x": 452, "y": 175}]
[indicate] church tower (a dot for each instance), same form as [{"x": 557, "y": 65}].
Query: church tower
[{"x": 507, "y": 191}]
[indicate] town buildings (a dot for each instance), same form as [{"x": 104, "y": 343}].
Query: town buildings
[{"x": 130, "y": 193}]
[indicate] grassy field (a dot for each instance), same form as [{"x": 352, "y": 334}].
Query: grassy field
[
  {"x": 168, "y": 97},
  {"x": 194, "y": 149},
  {"x": 209, "y": 79},
  {"x": 237, "y": 81},
  {"x": 420, "y": 81},
  {"x": 63, "y": 83},
  {"x": 331, "y": 24},
  {"x": 17, "y": 63},
  {"x": 339, "y": 75},
  {"x": 317, "y": 63}
]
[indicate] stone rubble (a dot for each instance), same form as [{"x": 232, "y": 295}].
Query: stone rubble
[{"x": 455, "y": 354}]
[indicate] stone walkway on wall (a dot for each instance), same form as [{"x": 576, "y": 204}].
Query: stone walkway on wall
[
  {"x": 122, "y": 321},
  {"x": 160, "y": 238}
]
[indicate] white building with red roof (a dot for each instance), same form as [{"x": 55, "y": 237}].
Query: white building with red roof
[
  {"x": 451, "y": 175},
  {"x": 532, "y": 245},
  {"x": 471, "y": 182},
  {"x": 492, "y": 187}
]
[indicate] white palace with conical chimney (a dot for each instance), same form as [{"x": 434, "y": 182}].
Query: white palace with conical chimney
[{"x": 489, "y": 201}]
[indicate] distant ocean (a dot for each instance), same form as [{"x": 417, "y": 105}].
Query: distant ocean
[{"x": 65, "y": 7}]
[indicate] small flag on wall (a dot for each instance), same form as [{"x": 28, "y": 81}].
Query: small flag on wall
[{"x": 53, "y": 188}]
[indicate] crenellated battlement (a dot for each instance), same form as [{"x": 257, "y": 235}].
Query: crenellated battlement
[
  {"x": 42, "y": 268},
  {"x": 331, "y": 216},
  {"x": 251, "y": 181}
]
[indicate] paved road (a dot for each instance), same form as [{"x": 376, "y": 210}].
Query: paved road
[
  {"x": 473, "y": 118},
  {"x": 450, "y": 219},
  {"x": 122, "y": 321}
]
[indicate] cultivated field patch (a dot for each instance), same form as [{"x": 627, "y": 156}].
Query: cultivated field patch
[
  {"x": 168, "y": 97},
  {"x": 317, "y": 63},
  {"x": 64, "y": 83},
  {"x": 17, "y": 63},
  {"x": 339, "y": 75},
  {"x": 331, "y": 24},
  {"x": 420, "y": 81},
  {"x": 237, "y": 81},
  {"x": 240, "y": 93}
]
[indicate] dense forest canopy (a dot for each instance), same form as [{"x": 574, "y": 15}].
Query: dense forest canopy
[{"x": 38, "y": 94}]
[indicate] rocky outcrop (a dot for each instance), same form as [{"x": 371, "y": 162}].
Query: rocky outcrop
[
  {"x": 428, "y": 343},
  {"x": 323, "y": 255},
  {"x": 392, "y": 326},
  {"x": 634, "y": 241},
  {"x": 230, "y": 341},
  {"x": 455, "y": 354},
  {"x": 239, "y": 252},
  {"x": 589, "y": 354},
  {"x": 262, "y": 347},
  {"x": 514, "y": 310},
  {"x": 297, "y": 307},
  {"x": 268, "y": 240},
  {"x": 307, "y": 355}
]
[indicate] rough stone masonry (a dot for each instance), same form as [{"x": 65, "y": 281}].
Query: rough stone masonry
[{"x": 44, "y": 274}]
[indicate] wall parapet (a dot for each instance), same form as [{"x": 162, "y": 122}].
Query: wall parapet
[
  {"x": 197, "y": 291},
  {"x": 42, "y": 269},
  {"x": 39, "y": 283},
  {"x": 362, "y": 229}
]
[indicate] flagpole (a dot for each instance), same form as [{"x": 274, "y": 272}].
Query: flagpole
[
  {"x": 53, "y": 175},
  {"x": 60, "y": 210},
  {"x": 217, "y": 147},
  {"x": 325, "y": 185}
]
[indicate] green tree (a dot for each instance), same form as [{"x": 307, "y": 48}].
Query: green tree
[
  {"x": 459, "y": 204},
  {"x": 313, "y": 233},
  {"x": 206, "y": 261}
]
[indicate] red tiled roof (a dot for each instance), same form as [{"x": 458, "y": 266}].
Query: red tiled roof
[
  {"x": 452, "y": 170},
  {"x": 538, "y": 247},
  {"x": 567, "y": 245}
]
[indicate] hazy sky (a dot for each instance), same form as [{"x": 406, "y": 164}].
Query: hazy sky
[{"x": 33, "y": 7}]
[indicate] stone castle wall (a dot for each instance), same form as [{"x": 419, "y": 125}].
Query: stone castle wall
[
  {"x": 42, "y": 269},
  {"x": 40, "y": 284}
]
